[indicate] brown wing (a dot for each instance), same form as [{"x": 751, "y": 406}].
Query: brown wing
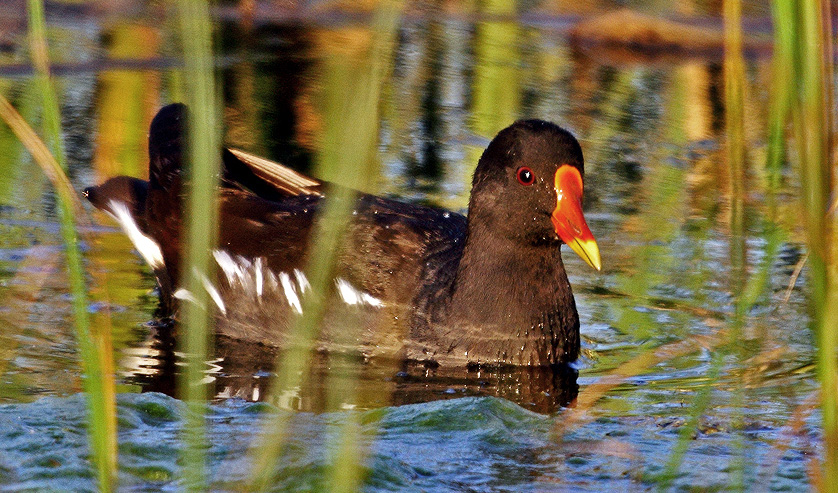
[{"x": 265, "y": 178}]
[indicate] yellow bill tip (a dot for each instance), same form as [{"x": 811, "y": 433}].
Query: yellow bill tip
[{"x": 589, "y": 251}]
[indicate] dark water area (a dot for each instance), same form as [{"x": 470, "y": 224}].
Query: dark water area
[{"x": 657, "y": 198}]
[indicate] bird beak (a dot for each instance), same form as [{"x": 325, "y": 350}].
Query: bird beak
[{"x": 568, "y": 218}]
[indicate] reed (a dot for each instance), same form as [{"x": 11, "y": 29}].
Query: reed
[
  {"x": 365, "y": 91},
  {"x": 782, "y": 92},
  {"x": 803, "y": 94},
  {"x": 746, "y": 287},
  {"x": 734, "y": 77},
  {"x": 348, "y": 157},
  {"x": 202, "y": 217},
  {"x": 94, "y": 346},
  {"x": 813, "y": 124}
]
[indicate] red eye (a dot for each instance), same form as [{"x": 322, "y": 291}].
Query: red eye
[{"x": 525, "y": 176}]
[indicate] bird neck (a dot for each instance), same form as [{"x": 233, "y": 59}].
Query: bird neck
[{"x": 517, "y": 298}]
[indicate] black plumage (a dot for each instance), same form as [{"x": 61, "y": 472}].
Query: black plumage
[{"x": 421, "y": 283}]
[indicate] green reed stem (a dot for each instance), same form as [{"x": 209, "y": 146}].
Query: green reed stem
[
  {"x": 814, "y": 129},
  {"x": 98, "y": 384},
  {"x": 201, "y": 215},
  {"x": 803, "y": 43},
  {"x": 746, "y": 288},
  {"x": 366, "y": 81},
  {"x": 734, "y": 77},
  {"x": 296, "y": 359},
  {"x": 782, "y": 93},
  {"x": 346, "y": 472},
  {"x": 348, "y": 158},
  {"x": 497, "y": 72}
]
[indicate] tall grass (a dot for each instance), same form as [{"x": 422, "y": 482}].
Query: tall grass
[
  {"x": 802, "y": 77},
  {"x": 734, "y": 77},
  {"x": 201, "y": 215},
  {"x": 352, "y": 94},
  {"x": 94, "y": 346},
  {"x": 803, "y": 42},
  {"x": 802, "y": 69}
]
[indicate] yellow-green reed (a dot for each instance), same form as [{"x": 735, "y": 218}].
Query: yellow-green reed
[
  {"x": 497, "y": 79},
  {"x": 734, "y": 74},
  {"x": 10, "y": 159},
  {"x": 94, "y": 347},
  {"x": 782, "y": 92},
  {"x": 734, "y": 82},
  {"x": 746, "y": 287},
  {"x": 734, "y": 78},
  {"x": 201, "y": 213},
  {"x": 803, "y": 70},
  {"x": 813, "y": 134},
  {"x": 686, "y": 432},
  {"x": 352, "y": 95},
  {"x": 496, "y": 84},
  {"x": 124, "y": 98}
]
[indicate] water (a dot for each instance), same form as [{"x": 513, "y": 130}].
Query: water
[
  {"x": 657, "y": 199},
  {"x": 468, "y": 444}
]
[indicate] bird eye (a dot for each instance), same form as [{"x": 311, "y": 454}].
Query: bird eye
[{"x": 525, "y": 176}]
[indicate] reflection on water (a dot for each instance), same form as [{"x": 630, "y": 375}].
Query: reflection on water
[
  {"x": 243, "y": 370},
  {"x": 657, "y": 198}
]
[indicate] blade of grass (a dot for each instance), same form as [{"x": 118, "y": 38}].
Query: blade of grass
[
  {"x": 690, "y": 428},
  {"x": 348, "y": 157},
  {"x": 346, "y": 471},
  {"x": 828, "y": 329},
  {"x": 734, "y": 77},
  {"x": 782, "y": 94},
  {"x": 296, "y": 358},
  {"x": 813, "y": 126},
  {"x": 123, "y": 99},
  {"x": 41, "y": 154},
  {"x": 496, "y": 86},
  {"x": 747, "y": 289},
  {"x": 755, "y": 286},
  {"x": 95, "y": 346},
  {"x": 201, "y": 215},
  {"x": 804, "y": 44}
]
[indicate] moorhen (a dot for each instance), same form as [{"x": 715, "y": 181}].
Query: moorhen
[{"x": 418, "y": 282}]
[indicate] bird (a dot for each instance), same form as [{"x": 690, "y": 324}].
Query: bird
[{"x": 420, "y": 283}]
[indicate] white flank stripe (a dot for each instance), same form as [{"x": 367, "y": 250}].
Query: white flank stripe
[
  {"x": 290, "y": 292},
  {"x": 243, "y": 266},
  {"x": 302, "y": 280},
  {"x": 227, "y": 264},
  {"x": 257, "y": 266},
  {"x": 273, "y": 284},
  {"x": 352, "y": 296},
  {"x": 185, "y": 295},
  {"x": 214, "y": 294},
  {"x": 148, "y": 248},
  {"x": 371, "y": 300}
]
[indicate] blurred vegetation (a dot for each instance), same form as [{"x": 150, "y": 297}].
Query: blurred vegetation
[
  {"x": 94, "y": 342},
  {"x": 201, "y": 213},
  {"x": 807, "y": 41},
  {"x": 354, "y": 76}
]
